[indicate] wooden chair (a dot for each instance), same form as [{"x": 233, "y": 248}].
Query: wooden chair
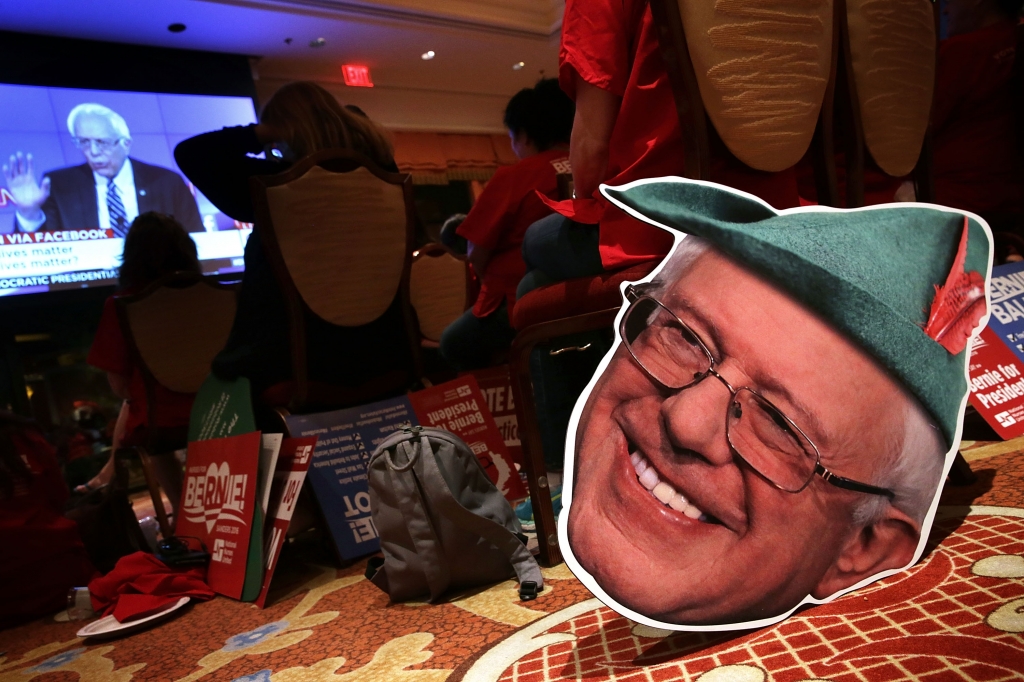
[
  {"x": 174, "y": 328},
  {"x": 439, "y": 291},
  {"x": 338, "y": 232}
]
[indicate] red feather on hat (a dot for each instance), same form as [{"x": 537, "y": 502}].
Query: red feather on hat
[{"x": 958, "y": 305}]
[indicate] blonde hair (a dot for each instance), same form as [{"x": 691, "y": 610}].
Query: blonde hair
[{"x": 311, "y": 119}]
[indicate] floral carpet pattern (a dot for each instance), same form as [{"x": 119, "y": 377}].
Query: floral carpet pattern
[{"x": 957, "y": 615}]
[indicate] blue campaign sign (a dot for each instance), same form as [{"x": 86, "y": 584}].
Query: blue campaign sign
[
  {"x": 346, "y": 438},
  {"x": 1007, "y": 318}
]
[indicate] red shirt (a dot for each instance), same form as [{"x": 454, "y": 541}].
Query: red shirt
[
  {"x": 508, "y": 205},
  {"x": 613, "y": 44},
  {"x": 977, "y": 162},
  {"x": 43, "y": 552},
  {"x": 110, "y": 353}
]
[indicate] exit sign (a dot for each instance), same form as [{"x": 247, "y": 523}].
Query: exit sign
[{"x": 357, "y": 76}]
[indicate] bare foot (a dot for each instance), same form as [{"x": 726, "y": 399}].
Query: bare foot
[{"x": 100, "y": 480}]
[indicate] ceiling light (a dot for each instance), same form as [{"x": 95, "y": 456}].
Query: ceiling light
[
  {"x": 176, "y": 28},
  {"x": 427, "y": 56},
  {"x": 518, "y": 65},
  {"x": 319, "y": 42}
]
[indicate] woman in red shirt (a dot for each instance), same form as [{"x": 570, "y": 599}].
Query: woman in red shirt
[
  {"x": 976, "y": 117},
  {"x": 626, "y": 128},
  {"x": 43, "y": 554},
  {"x": 156, "y": 245},
  {"x": 539, "y": 122}
]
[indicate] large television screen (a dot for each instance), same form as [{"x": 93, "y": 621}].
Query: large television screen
[{"x": 60, "y": 226}]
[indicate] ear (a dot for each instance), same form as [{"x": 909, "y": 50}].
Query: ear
[{"x": 889, "y": 542}]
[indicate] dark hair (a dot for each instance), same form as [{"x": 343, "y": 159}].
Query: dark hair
[
  {"x": 13, "y": 469},
  {"x": 1010, "y": 8},
  {"x": 156, "y": 245},
  {"x": 312, "y": 119},
  {"x": 543, "y": 112}
]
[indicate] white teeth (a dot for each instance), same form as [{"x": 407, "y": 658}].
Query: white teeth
[
  {"x": 649, "y": 478},
  {"x": 662, "y": 491}
]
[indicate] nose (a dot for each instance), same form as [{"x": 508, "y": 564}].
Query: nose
[{"x": 694, "y": 419}]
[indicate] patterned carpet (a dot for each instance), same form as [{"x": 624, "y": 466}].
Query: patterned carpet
[{"x": 958, "y": 615}]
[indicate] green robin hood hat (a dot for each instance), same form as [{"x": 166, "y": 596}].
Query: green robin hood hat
[{"x": 906, "y": 283}]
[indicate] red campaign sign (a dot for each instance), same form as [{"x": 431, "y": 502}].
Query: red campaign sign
[
  {"x": 289, "y": 475},
  {"x": 495, "y": 385},
  {"x": 218, "y": 503},
  {"x": 459, "y": 406},
  {"x": 997, "y": 385}
]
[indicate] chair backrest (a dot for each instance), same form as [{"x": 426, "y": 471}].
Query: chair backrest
[
  {"x": 343, "y": 239},
  {"x": 338, "y": 232},
  {"x": 176, "y": 326},
  {"x": 891, "y": 48},
  {"x": 438, "y": 289},
  {"x": 759, "y": 70}
]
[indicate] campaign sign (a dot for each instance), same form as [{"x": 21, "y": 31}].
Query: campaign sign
[
  {"x": 346, "y": 438},
  {"x": 292, "y": 465},
  {"x": 221, "y": 408},
  {"x": 218, "y": 505},
  {"x": 997, "y": 384},
  {"x": 459, "y": 406},
  {"x": 495, "y": 385},
  {"x": 1007, "y": 319}
]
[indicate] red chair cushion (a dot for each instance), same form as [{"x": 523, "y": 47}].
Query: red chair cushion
[{"x": 576, "y": 296}]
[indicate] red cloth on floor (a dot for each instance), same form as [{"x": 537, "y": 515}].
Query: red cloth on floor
[{"x": 141, "y": 584}]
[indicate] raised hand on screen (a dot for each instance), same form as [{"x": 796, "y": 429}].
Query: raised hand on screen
[{"x": 27, "y": 194}]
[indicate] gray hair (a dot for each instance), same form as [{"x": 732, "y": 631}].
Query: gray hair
[
  {"x": 913, "y": 470},
  {"x": 912, "y": 467},
  {"x": 92, "y": 109}
]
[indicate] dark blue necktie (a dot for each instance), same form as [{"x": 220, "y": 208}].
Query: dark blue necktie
[{"x": 118, "y": 218}]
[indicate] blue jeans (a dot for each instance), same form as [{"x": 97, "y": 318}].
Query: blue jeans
[
  {"x": 470, "y": 341},
  {"x": 555, "y": 249}
]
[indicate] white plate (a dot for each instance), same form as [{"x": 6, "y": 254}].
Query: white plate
[{"x": 108, "y": 625}]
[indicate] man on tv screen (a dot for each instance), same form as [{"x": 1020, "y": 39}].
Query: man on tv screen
[
  {"x": 108, "y": 191},
  {"x": 774, "y": 425}
]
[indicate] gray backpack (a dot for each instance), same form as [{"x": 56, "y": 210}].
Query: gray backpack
[{"x": 442, "y": 523}]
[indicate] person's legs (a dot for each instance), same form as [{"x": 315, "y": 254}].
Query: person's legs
[
  {"x": 556, "y": 248},
  {"x": 106, "y": 474},
  {"x": 470, "y": 341}
]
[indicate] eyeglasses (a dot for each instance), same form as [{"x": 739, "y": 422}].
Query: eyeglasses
[
  {"x": 86, "y": 143},
  {"x": 674, "y": 356}
]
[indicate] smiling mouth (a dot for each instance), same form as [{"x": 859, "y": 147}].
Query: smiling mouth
[{"x": 663, "y": 491}]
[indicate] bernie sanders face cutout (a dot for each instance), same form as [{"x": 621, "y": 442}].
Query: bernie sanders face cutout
[{"x": 783, "y": 401}]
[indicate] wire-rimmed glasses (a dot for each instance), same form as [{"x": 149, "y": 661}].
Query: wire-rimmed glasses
[
  {"x": 86, "y": 143},
  {"x": 674, "y": 356}
]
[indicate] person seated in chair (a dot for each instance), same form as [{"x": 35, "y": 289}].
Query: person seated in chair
[
  {"x": 300, "y": 119},
  {"x": 43, "y": 552},
  {"x": 979, "y": 111},
  {"x": 539, "y": 122},
  {"x": 157, "y": 245}
]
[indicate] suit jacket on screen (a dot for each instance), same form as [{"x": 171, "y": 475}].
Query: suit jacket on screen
[{"x": 72, "y": 201}]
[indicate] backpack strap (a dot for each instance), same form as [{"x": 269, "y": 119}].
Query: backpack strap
[
  {"x": 527, "y": 571},
  {"x": 417, "y": 521}
]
